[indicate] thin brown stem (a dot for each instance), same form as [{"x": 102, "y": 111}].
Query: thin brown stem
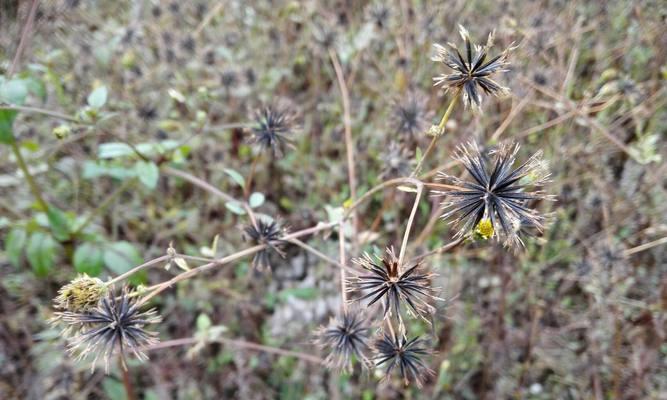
[
  {"x": 138, "y": 268},
  {"x": 439, "y": 250},
  {"x": 25, "y": 33},
  {"x": 127, "y": 382},
  {"x": 321, "y": 255},
  {"x": 406, "y": 235},
  {"x": 349, "y": 145},
  {"x": 237, "y": 344},
  {"x": 248, "y": 182},
  {"x": 343, "y": 278}
]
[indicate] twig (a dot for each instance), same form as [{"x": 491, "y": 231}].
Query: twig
[
  {"x": 24, "y": 38},
  {"x": 349, "y": 145},
  {"x": 406, "y": 235},
  {"x": 36, "y": 110},
  {"x": 343, "y": 278},
  {"x": 321, "y": 255},
  {"x": 645, "y": 246},
  {"x": 236, "y": 344},
  {"x": 31, "y": 181}
]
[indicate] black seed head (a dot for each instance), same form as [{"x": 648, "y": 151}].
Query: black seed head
[
  {"x": 268, "y": 233},
  {"x": 397, "y": 352},
  {"x": 397, "y": 161},
  {"x": 344, "y": 338},
  {"x": 272, "y": 125},
  {"x": 498, "y": 195},
  {"x": 411, "y": 115},
  {"x": 116, "y": 325},
  {"x": 389, "y": 282},
  {"x": 472, "y": 73}
]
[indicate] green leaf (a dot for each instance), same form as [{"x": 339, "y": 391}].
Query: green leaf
[
  {"x": 235, "y": 207},
  {"x": 98, "y": 97},
  {"x": 256, "y": 199},
  {"x": 41, "y": 253},
  {"x": 121, "y": 257},
  {"x": 236, "y": 177},
  {"x": 14, "y": 92},
  {"x": 92, "y": 170},
  {"x": 114, "y": 389},
  {"x": 6, "y": 121},
  {"x": 203, "y": 322},
  {"x": 89, "y": 259},
  {"x": 148, "y": 173},
  {"x": 14, "y": 245},
  {"x": 60, "y": 224},
  {"x": 114, "y": 150}
]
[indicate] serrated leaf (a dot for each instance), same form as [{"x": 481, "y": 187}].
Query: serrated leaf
[
  {"x": 235, "y": 207},
  {"x": 40, "y": 252},
  {"x": 89, "y": 258},
  {"x": 148, "y": 173},
  {"x": 256, "y": 199},
  {"x": 236, "y": 177},
  {"x": 98, "y": 97},
  {"x": 14, "y": 244}
]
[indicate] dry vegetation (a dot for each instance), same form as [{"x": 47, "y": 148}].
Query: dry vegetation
[{"x": 130, "y": 132}]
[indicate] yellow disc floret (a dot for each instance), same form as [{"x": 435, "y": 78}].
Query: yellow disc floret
[
  {"x": 485, "y": 229},
  {"x": 80, "y": 294}
]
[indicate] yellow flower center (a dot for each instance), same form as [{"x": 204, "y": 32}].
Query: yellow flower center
[{"x": 485, "y": 229}]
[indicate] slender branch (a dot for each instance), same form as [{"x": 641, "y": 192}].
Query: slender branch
[
  {"x": 210, "y": 188},
  {"x": 645, "y": 246},
  {"x": 439, "y": 250},
  {"x": 349, "y": 145},
  {"x": 439, "y": 132},
  {"x": 248, "y": 181},
  {"x": 237, "y": 344},
  {"x": 406, "y": 235},
  {"x": 102, "y": 207},
  {"x": 137, "y": 269},
  {"x": 36, "y": 110},
  {"x": 36, "y": 192},
  {"x": 24, "y": 38},
  {"x": 127, "y": 382},
  {"x": 343, "y": 278},
  {"x": 321, "y": 255}
]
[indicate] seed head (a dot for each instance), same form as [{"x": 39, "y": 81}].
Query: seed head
[
  {"x": 496, "y": 201},
  {"x": 411, "y": 115},
  {"x": 397, "y": 161},
  {"x": 81, "y": 294},
  {"x": 472, "y": 74},
  {"x": 268, "y": 233},
  {"x": 387, "y": 282},
  {"x": 115, "y": 325},
  {"x": 405, "y": 355},
  {"x": 344, "y": 338},
  {"x": 272, "y": 125}
]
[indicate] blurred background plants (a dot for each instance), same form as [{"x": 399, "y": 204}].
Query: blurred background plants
[{"x": 109, "y": 97}]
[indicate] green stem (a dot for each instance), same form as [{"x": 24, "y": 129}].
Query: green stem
[
  {"x": 31, "y": 182},
  {"x": 439, "y": 131},
  {"x": 106, "y": 203}
]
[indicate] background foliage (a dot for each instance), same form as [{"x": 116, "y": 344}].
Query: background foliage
[{"x": 579, "y": 314}]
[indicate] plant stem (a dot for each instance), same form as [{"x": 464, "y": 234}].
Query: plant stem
[
  {"x": 349, "y": 145},
  {"x": 31, "y": 182},
  {"x": 237, "y": 344},
  {"x": 343, "y": 278},
  {"x": 406, "y": 235},
  {"x": 36, "y": 110},
  {"x": 127, "y": 383},
  {"x": 248, "y": 182},
  {"x": 440, "y": 131},
  {"x": 106, "y": 203}
]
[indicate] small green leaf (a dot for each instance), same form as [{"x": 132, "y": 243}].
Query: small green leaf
[
  {"x": 40, "y": 251},
  {"x": 114, "y": 389},
  {"x": 14, "y": 92},
  {"x": 256, "y": 199},
  {"x": 235, "y": 207},
  {"x": 114, "y": 150},
  {"x": 121, "y": 257},
  {"x": 148, "y": 173},
  {"x": 89, "y": 259},
  {"x": 6, "y": 121},
  {"x": 14, "y": 245},
  {"x": 98, "y": 97},
  {"x": 238, "y": 178},
  {"x": 203, "y": 322},
  {"x": 60, "y": 224}
]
